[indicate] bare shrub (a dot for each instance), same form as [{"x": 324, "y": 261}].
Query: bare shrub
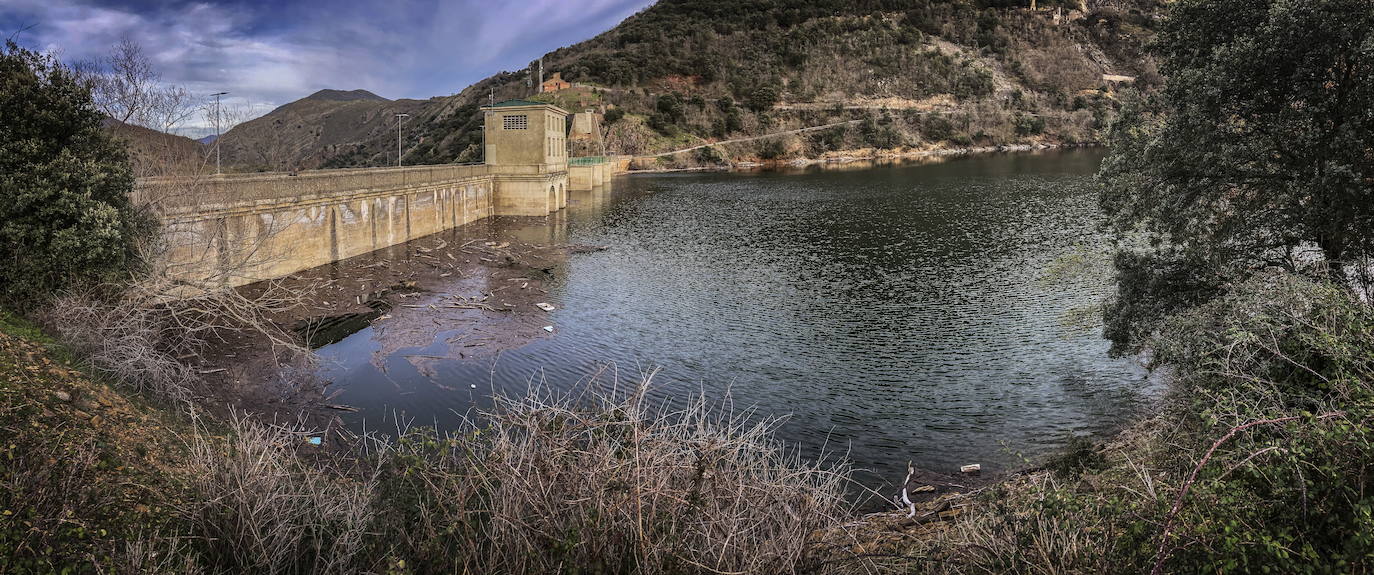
[
  {"x": 261, "y": 509},
  {"x": 140, "y": 335},
  {"x": 605, "y": 484},
  {"x": 124, "y": 341},
  {"x": 156, "y": 553}
]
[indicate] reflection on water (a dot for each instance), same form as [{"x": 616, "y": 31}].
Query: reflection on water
[{"x": 896, "y": 313}]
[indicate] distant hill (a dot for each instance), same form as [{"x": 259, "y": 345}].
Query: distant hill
[
  {"x": 207, "y": 140},
  {"x": 346, "y": 96},
  {"x": 307, "y": 133},
  {"x": 155, "y": 153},
  {"x": 909, "y": 73}
]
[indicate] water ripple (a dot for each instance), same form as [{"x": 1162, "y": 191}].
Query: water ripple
[{"x": 898, "y": 312}]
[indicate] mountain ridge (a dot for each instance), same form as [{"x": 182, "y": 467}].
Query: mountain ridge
[
  {"x": 912, "y": 73},
  {"x": 345, "y": 95}
]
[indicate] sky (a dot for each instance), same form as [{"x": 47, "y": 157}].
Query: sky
[{"x": 267, "y": 53}]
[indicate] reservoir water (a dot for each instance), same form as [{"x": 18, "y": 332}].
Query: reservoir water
[{"x": 890, "y": 313}]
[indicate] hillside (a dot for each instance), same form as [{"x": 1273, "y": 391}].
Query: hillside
[
  {"x": 307, "y": 133},
  {"x": 909, "y": 73},
  {"x": 155, "y": 153},
  {"x": 347, "y": 96}
]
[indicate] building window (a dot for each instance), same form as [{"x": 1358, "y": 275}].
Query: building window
[{"x": 520, "y": 122}]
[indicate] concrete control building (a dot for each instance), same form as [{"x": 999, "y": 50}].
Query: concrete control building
[{"x": 526, "y": 144}]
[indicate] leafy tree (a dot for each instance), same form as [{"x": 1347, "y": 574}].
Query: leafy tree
[
  {"x": 763, "y": 98},
  {"x": 1262, "y": 155},
  {"x": 734, "y": 122},
  {"x": 670, "y": 106},
  {"x": 65, "y": 213},
  {"x": 1027, "y": 125},
  {"x": 772, "y": 149},
  {"x": 936, "y": 128}
]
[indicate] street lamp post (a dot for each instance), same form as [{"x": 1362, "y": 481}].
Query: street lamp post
[
  {"x": 217, "y": 95},
  {"x": 486, "y": 115},
  {"x": 399, "y": 119}
]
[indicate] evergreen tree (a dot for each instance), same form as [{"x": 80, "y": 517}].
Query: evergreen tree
[
  {"x": 65, "y": 212},
  {"x": 1262, "y": 155}
]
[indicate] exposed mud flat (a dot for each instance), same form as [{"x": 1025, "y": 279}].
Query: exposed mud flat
[{"x": 477, "y": 284}]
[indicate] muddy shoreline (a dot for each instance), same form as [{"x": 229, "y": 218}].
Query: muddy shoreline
[
  {"x": 842, "y": 158},
  {"x": 475, "y": 283}
]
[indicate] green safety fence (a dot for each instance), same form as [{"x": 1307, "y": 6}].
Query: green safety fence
[{"x": 587, "y": 161}]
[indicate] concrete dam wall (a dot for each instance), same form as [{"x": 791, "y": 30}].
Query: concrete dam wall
[{"x": 237, "y": 229}]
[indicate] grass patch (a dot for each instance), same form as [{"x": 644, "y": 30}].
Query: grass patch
[
  {"x": 13, "y": 325},
  {"x": 86, "y": 472}
]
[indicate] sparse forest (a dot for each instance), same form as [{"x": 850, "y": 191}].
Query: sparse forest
[{"x": 679, "y": 74}]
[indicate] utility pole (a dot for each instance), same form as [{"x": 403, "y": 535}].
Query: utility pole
[
  {"x": 486, "y": 116},
  {"x": 217, "y": 95},
  {"x": 399, "y": 119},
  {"x": 541, "y": 75}
]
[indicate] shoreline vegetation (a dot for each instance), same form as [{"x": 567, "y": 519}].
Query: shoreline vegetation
[
  {"x": 102, "y": 480},
  {"x": 873, "y": 156},
  {"x": 1245, "y": 269}
]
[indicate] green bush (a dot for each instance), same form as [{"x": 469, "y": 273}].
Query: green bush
[
  {"x": 1264, "y": 447},
  {"x": 1291, "y": 494},
  {"x": 663, "y": 124},
  {"x": 1079, "y": 455},
  {"x": 832, "y": 139},
  {"x": 937, "y": 128},
  {"x": 772, "y": 149},
  {"x": 734, "y": 122},
  {"x": 670, "y": 107},
  {"x": 1027, "y": 125},
  {"x": 763, "y": 98},
  {"x": 709, "y": 155},
  {"x": 65, "y": 217}
]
